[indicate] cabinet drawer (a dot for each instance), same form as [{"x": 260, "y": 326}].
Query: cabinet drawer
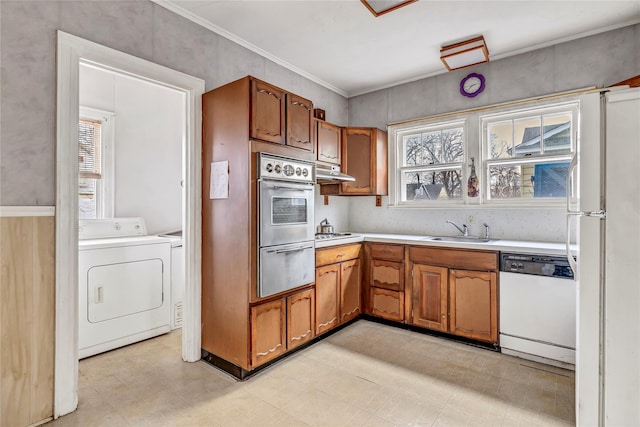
[
  {"x": 455, "y": 258},
  {"x": 387, "y": 275},
  {"x": 390, "y": 252},
  {"x": 387, "y": 304},
  {"x": 337, "y": 254}
]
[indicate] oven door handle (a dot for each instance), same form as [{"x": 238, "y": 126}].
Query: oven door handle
[
  {"x": 287, "y": 186},
  {"x": 296, "y": 249}
]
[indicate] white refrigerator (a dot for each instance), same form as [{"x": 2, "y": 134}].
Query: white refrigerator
[{"x": 606, "y": 181}]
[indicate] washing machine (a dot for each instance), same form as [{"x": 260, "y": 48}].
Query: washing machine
[
  {"x": 124, "y": 284},
  {"x": 177, "y": 276}
]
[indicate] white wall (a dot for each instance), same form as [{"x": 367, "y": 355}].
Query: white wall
[
  {"x": 148, "y": 145},
  {"x": 336, "y": 212}
]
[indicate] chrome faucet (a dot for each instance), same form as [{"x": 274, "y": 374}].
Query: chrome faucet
[
  {"x": 464, "y": 230},
  {"x": 486, "y": 231}
]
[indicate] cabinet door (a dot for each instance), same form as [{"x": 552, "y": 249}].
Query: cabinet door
[
  {"x": 329, "y": 139},
  {"x": 387, "y": 304},
  {"x": 387, "y": 275},
  {"x": 301, "y": 308},
  {"x": 267, "y": 112},
  {"x": 473, "y": 304},
  {"x": 327, "y": 297},
  {"x": 268, "y": 337},
  {"x": 358, "y": 160},
  {"x": 299, "y": 122},
  {"x": 429, "y": 297},
  {"x": 350, "y": 278}
]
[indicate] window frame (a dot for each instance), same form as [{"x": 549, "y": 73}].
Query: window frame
[
  {"x": 572, "y": 107},
  {"x": 105, "y": 206},
  {"x": 397, "y": 167},
  {"x": 474, "y": 147}
]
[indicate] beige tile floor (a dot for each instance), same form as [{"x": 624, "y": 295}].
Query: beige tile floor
[{"x": 365, "y": 375}]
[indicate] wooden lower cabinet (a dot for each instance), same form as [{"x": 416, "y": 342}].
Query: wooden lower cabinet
[
  {"x": 429, "y": 297},
  {"x": 386, "y": 281},
  {"x": 301, "y": 309},
  {"x": 281, "y": 325},
  {"x": 327, "y": 300},
  {"x": 350, "y": 278},
  {"x": 387, "y": 274},
  {"x": 455, "y": 291},
  {"x": 268, "y": 331},
  {"x": 473, "y": 304},
  {"x": 338, "y": 279},
  {"x": 387, "y": 304}
]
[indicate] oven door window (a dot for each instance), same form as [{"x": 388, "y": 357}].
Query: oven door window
[{"x": 289, "y": 210}]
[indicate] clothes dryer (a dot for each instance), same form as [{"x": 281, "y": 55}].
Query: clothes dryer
[{"x": 124, "y": 284}]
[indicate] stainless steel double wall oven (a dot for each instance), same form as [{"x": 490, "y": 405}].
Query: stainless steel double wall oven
[{"x": 285, "y": 224}]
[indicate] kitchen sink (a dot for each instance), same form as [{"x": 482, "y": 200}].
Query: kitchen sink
[{"x": 458, "y": 239}]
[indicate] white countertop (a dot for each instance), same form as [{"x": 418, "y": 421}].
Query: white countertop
[{"x": 519, "y": 246}]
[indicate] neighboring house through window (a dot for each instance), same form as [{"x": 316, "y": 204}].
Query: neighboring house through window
[
  {"x": 527, "y": 153},
  {"x": 95, "y": 163}
]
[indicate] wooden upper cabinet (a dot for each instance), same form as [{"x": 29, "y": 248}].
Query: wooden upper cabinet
[
  {"x": 329, "y": 142},
  {"x": 364, "y": 156},
  {"x": 267, "y": 112},
  {"x": 281, "y": 117},
  {"x": 473, "y": 304},
  {"x": 300, "y": 122},
  {"x": 429, "y": 297}
]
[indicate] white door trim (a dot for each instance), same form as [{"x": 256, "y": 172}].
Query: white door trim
[{"x": 71, "y": 52}]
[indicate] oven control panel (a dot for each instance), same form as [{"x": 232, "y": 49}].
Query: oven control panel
[{"x": 277, "y": 167}]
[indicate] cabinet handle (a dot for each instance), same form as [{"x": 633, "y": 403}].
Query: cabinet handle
[
  {"x": 301, "y": 141},
  {"x": 329, "y": 157},
  {"x": 269, "y": 351},
  {"x": 301, "y": 105},
  {"x": 268, "y": 93},
  {"x": 327, "y": 323},
  {"x": 340, "y": 255},
  {"x": 301, "y": 336}
]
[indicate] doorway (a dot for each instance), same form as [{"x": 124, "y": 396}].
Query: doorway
[{"x": 72, "y": 53}]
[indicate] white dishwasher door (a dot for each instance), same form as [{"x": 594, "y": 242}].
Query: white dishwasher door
[{"x": 538, "y": 316}]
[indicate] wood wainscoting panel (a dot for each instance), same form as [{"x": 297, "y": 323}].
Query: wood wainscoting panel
[{"x": 27, "y": 302}]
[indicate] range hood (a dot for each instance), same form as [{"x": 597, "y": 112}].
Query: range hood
[{"x": 331, "y": 174}]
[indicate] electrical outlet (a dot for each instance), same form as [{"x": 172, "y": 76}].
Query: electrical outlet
[
  {"x": 378, "y": 201},
  {"x": 470, "y": 219}
]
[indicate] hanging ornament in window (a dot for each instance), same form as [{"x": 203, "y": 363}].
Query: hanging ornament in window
[{"x": 472, "y": 183}]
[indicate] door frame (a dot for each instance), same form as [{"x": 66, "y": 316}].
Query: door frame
[{"x": 71, "y": 52}]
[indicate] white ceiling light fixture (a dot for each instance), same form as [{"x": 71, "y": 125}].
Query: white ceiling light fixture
[
  {"x": 380, "y": 7},
  {"x": 464, "y": 54}
]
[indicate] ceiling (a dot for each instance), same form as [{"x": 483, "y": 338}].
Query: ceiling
[{"x": 341, "y": 45}]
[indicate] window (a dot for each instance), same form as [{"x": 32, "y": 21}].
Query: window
[
  {"x": 95, "y": 157},
  {"x": 430, "y": 161},
  {"x": 527, "y": 154}
]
